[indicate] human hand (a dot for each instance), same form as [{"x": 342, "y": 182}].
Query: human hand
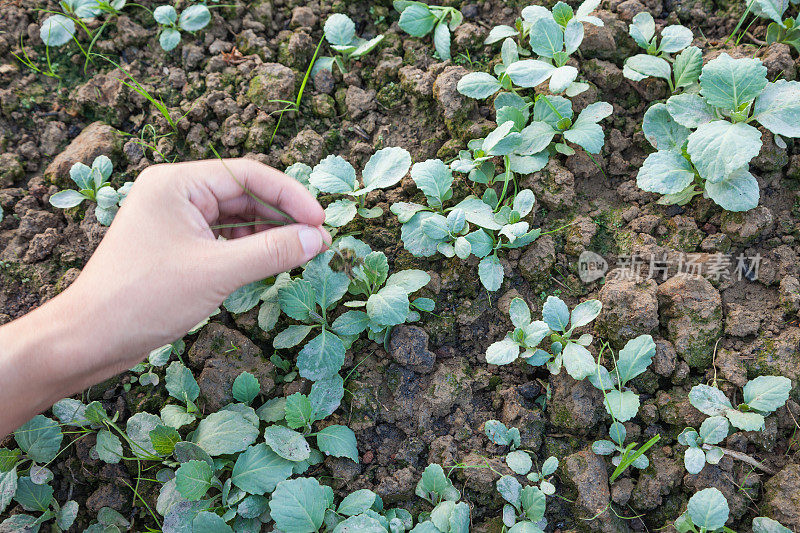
[{"x": 159, "y": 271}]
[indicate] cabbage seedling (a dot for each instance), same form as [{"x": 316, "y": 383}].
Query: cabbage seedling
[
  {"x": 525, "y": 507},
  {"x": 618, "y": 434},
  {"x": 340, "y": 32},
  {"x": 93, "y": 185},
  {"x": 780, "y": 30},
  {"x": 701, "y": 445},
  {"x": 634, "y": 358},
  {"x": 557, "y": 323},
  {"x": 418, "y": 19},
  {"x": 335, "y": 175},
  {"x": 498, "y": 433},
  {"x": 705, "y": 141},
  {"x": 761, "y": 396},
  {"x": 89, "y": 9},
  {"x": 706, "y": 512},
  {"x": 553, "y": 36},
  {"x": 193, "y": 18},
  {"x": 682, "y": 71}
]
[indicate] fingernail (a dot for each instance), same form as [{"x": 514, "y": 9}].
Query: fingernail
[{"x": 310, "y": 240}]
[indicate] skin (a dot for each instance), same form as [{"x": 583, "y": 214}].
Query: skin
[{"x": 158, "y": 272}]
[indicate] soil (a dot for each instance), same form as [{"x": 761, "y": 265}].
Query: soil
[{"x": 427, "y": 398}]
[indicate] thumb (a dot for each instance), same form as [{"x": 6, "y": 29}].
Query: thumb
[{"x": 271, "y": 252}]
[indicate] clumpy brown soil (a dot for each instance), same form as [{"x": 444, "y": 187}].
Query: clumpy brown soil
[{"x": 426, "y": 400}]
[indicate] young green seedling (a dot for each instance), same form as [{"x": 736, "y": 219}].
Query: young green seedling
[
  {"x": 418, "y": 19},
  {"x": 618, "y": 434},
  {"x": 706, "y": 512},
  {"x": 680, "y": 72},
  {"x": 334, "y": 175},
  {"x": 705, "y": 141},
  {"x": 780, "y": 30},
  {"x": 552, "y": 35},
  {"x": 634, "y": 358},
  {"x": 93, "y": 185},
  {"x": 498, "y": 433},
  {"x": 701, "y": 445},
  {"x": 340, "y": 32},
  {"x": 193, "y": 18},
  {"x": 761, "y": 396},
  {"x": 525, "y": 507},
  {"x": 557, "y": 323}
]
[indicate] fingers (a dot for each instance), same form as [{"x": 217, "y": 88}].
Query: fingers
[
  {"x": 261, "y": 255},
  {"x": 229, "y": 180}
]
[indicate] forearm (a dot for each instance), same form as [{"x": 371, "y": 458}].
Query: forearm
[{"x": 47, "y": 355}]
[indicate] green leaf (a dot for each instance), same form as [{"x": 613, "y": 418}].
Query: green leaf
[
  {"x": 193, "y": 479},
  {"x": 287, "y": 443},
  {"x": 8, "y": 486},
  {"x": 252, "y": 507},
  {"x": 340, "y": 212},
  {"x": 298, "y": 300},
  {"x": 714, "y": 430},
  {"x": 690, "y": 110},
  {"x": 708, "y": 509},
  {"x": 414, "y": 238},
  {"x": 329, "y": 286},
  {"x": 665, "y": 172},
  {"x": 694, "y": 459},
  {"x": 478, "y": 85},
  {"x": 138, "y": 428},
  {"x": 389, "y": 306},
  {"x": 194, "y": 18},
  {"x": 180, "y": 383},
  {"x": 109, "y": 447},
  {"x": 357, "y": 502},
  {"x": 176, "y": 416},
  {"x": 529, "y": 72},
  {"x": 778, "y": 108},
  {"x": 556, "y": 313},
  {"x": 245, "y": 298},
  {"x": 533, "y": 503},
  {"x": 552, "y": 109},
  {"x": 40, "y": 439},
  {"x": 502, "y": 352},
  {"x": 322, "y": 357},
  {"x": 519, "y": 312},
  {"x": 246, "y": 388},
  {"x": 258, "y": 470},
  {"x": 291, "y": 336},
  {"x": 490, "y": 272},
  {"x": 479, "y": 213},
  {"x": 434, "y": 485},
  {"x": 687, "y": 66},
  {"x": 208, "y": 522},
  {"x": 573, "y": 36},
  {"x": 768, "y": 525},
  {"x": 441, "y": 41},
  {"x": 562, "y": 77},
  {"x": 338, "y": 441},
  {"x": 224, "y": 432},
  {"x": 510, "y": 489},
  {"x": 434, "y": 179},
  {"x": 662, "y": 131},
  {"x": 642, "y": 29},
  {"x": 501, "y": 141},
  {"x": 326, "y": 396},
  {"x": 729, "y": 83},
  {"x": 709, "y": 400},
  {"x": 339, "y": 30},
  {"x": 169, "y": 39},
  {"x": 674, "y": 39},
  {"x": 298, "y": 411},
  {"x": 546, "y": 37},
  {"x": 745, "y": 421},
  {"x": 298, "y": 505},
  {"x": 31, "y": 496},
  {"x": 519, "y": 461},
  {"x": 720, "y": 148},
  {"x": 417, "y": 20},
  {"x": 578, "y": 361},
  {"x": 333, "y": 174},
  {"x": 635, "y": 357},
  {"x": 643, "y": 66},
  {"x": 773, "y": 9},
  {"x": 67, "y": 514},
  {"x": 350, "y": 323},
  {"x": 66, "y": 199},
  {"x": 500, "y": 32},
  {"x": 360, "y": 524},
  {"x": 535, "y": 137},
  {"x": 385, "y": 168},
  {"x": 621, "y": 405},
  {"x": 767, "y": 393},
  {"x": 737, "y": 193},
  {"x": 585, "y": 312},
  {"x": 57, "y": 30}
]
